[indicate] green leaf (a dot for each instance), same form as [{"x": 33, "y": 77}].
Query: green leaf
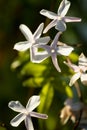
[
  {"x": 33, "y": 69},
  {"x": 69, "y": 91},
  {"x": 46, "y": 95},
  {"x": 34, "y": 82}
]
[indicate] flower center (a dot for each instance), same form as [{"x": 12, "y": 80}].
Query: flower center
[
  {"x": 59, "y": 18},
  {"x": 52, "y": 51},
  {"x": 26, "y": 113}
]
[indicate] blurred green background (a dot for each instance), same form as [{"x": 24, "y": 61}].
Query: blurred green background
[{"x": 21, "y": 82}]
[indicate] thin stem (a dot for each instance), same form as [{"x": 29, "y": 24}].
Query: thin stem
[
  {"x": 78, "y": 91},
  {"x": 81, "y": 99},
  {"x": 78, "y": 121}
]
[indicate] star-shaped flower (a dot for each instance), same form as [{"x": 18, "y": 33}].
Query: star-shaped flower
[
  {"x": 80, "y": 70},
  {"x": 59, "y": 20},
  {"x": 26, "y": 113},
  {"x": 31, "y": 38},
  {"x": 53, "y": 50}
]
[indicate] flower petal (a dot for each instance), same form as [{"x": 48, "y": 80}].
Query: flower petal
[
  {"x": 63, "y": 8},
  {"x": 55, "y": 62},
  {"x": 28, "y": 123},
  {"x": 55, "y": 41},
  {"x": 38, "y": 115},
  {"x": 43, "y": 40},
  {"x": 82, "y": 60},
  {"x": 71, "y": 19},
  {"x": 16, "y": 106},
  {"x": 39, "y": 30},
  {"x": 65, "y": 50},
  {"x": 22, "y": 46},
  {"x": 33, "y": 102},
  {"x": 74, "y": 78},
  {"x": 61, "y": 26},
  {"x": 17, "y": 119},
  {"x": 74, "y": 67},
  {"x": 26, "y": 32},
  {"x": 48, "y": 14},
  {"x": 84, "y": 79},
  {"x": 39, "y": 56},
  {"x": 50, "y": 25}
]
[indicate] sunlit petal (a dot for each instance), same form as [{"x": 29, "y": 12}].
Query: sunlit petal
[
  {"x": 65, "y": 50},
  {"x": 33, "y": 102},
  {"x": 84, "y": 79},
  {"x": 26, "y": 32},
  {"x": 74, "y": 78},
  {"x": 72, "y": 19},
  {"x": 55, "y": 62},
  {"x": 16, "y": 106},
  {"x": 74, "y": 67},
  {"x": 48, "y": 14},
  {"x": 50, "y": 25},
  {"x": 28, "y": 123},
  {"x": 38, "y": 115},
  {"x": 17, "y": 119},
  {"x": 22, "y": 46},
  {"x": 82, "y": 60},
  {"x": 63, "y": 8},
  {"x": 39, "y": 30},
  {"x": 60, "y": 25}
]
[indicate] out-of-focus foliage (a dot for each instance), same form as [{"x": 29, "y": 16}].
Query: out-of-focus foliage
[{"x": 19, "y": 78}]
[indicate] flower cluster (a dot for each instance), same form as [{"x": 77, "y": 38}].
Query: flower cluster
[{"x": 34, "y": 42}]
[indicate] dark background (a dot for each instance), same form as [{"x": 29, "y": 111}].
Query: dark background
[{"x": 12, "y": 14}]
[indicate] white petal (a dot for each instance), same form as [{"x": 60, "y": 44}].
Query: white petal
[
  {"x": 22, "y": 46},
  {"x": 16, "y": 106},
  {"x": 82, "y": 60},
  {"x": 39, "y": 57},
  {"x": 55, "y": 41},
  {"x": 38, "y": 115},
  {"x": 39, "y": 30},
  {"x": 65, "y": 50},
  {"x": 61, "y": 26},
  {"x": 55, "y": 62},
  {"x": 84, "y": 79},
  {"x": 50, "y": 25},
  {"x": 26, "y": 32},
  {"x": 74, "y": 78},
  {"x": 72, "y": 19},
  {"x": 17, "y": 119},
  {"x": 63, "y": 8},
  {"x": 28, "y": 123},
  {"x": 33, "y": 102},
  {"x": 48, "y": 14},
  {"x": 74, "y": 67},
  {"x": 43, "y": 40}
]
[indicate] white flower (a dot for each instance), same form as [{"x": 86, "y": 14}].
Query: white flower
[
  {"x": 53, "y": 50},
  {"x": 80, "y": 70},
  {"x": 59, "y": 20},
  {"x": 26, "y": 113},
  {"x": 31, "y": 38}
]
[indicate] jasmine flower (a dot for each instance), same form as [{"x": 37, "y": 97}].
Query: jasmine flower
[
  {"x": 59, "y": 20},
  {"x": 31, "y": 38},
  {"x": 56, "y": 48},
  {"x": 26, "y": 113},
  {"x": 80, "y": 70}
]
